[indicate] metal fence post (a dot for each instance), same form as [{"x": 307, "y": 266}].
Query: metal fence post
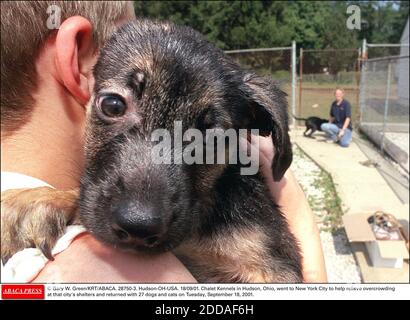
[
  {"x": 386, "y": 105},
  {"x": 357, "y": 78},
  {"x": 363, "y": 82},
  {"x": 294, "y": 81},
  {"x": 300, "y": 84},
  {"x": 364, "y": 49}
]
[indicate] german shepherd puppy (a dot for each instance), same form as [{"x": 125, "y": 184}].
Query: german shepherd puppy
[{"x": 221, "y": 224}]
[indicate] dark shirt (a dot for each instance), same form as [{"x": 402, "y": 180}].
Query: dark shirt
[{"x": 340, "y": 113}]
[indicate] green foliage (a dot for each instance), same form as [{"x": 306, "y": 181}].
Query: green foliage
[
  {"x": 332, "y": 204},
  {"x": 256, "y": 24},
  {"x": 327, "y": 206},
  {"x": 384, "y": 20}
]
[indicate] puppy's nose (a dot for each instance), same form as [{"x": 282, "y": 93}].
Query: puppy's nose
[{"x": 138, "y": 224}]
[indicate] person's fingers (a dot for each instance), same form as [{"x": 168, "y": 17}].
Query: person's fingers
[
  {"x": 260, "y": 150},
  {"x": 263, "y": 145},
  {"x": 266, "y": 147}
]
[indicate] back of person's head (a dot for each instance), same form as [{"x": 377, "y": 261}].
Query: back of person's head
[{"x": 24, "y": 29}]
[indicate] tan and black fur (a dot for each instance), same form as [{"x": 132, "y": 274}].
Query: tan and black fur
[
  {"x": 222, "y": 225},
  {"x": 35, "y": 218}
]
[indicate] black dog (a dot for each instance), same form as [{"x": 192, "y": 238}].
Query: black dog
[
  {"x": 313, "y": 124},
  {"x": 221, "y": 224}
]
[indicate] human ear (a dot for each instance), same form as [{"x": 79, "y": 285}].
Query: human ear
[{"x": 73, "y": 47}]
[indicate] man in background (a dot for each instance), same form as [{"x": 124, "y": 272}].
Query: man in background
[{"x": 339, "y": 128}]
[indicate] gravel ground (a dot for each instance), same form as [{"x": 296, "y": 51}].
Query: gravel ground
[{"x": 340, "y": 264}]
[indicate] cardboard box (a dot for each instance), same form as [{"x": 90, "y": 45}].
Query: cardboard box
[{"x": 382, "y": 253}]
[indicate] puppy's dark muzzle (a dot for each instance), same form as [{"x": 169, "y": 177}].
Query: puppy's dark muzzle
[{"x": 138, "y": 225}]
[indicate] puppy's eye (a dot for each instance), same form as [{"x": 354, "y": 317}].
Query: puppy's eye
[{"x": 112, "y": 106}]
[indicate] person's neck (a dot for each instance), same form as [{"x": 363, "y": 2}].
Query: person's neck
[
  {"x": 48, "y": 148},
  {"x": 339, "y": 102}
]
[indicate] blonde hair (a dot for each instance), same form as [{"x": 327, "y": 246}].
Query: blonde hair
[
  {"x": 24, "y": 31},
  {"x": 340, "y": 89}
]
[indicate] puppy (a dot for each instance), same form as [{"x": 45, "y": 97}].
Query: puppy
[
  {"x": 312, "y": 123},
  {"x": 222, "y": 225}
]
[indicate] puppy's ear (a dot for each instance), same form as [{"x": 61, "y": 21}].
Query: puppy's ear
[{"x": 268, "y": 111}]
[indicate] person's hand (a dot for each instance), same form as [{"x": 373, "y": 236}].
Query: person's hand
[
  {"x": 341, "y": 133},
  {"x": 292, "y": 201}
]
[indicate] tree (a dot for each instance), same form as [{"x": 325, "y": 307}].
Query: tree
[{"x": 313, "y": 24}]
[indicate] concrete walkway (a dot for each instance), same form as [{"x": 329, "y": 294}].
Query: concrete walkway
[{"x": 361, "y": 189}]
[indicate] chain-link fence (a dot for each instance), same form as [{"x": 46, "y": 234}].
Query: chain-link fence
[
  {"x": 384, "y": 105},
  {"x": 321, "y": 72},
  {"x": 374, "y": 51},
  {"x": 278, "y": 63}
]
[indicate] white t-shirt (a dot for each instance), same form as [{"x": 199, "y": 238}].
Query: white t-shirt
[{"x": 25, "y": 265}]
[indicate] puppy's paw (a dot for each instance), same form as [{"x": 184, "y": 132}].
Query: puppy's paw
[{"x": 35, "y": 218}]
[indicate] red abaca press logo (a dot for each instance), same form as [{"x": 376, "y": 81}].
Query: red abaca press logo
[{"x": 22, "y": 291}]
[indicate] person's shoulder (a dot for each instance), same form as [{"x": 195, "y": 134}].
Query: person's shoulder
[
  {"x": 346, "y": 102},
  {"x": 89, "y": 260}
]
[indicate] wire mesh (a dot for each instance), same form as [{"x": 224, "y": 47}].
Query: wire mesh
[
  {"x": 385, "y": 105},
  {"x": 321, "y": 72},
  {"x": 273, "y": 62}
]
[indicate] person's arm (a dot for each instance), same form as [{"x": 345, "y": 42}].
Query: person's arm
[
  {"x": 345, "y": 125},
  {"x": 88, "y": 260},
  {"x": 290, "y": 197},
  {"x": 331, "y": 117},
  {"x": 347, "y": 120}
]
